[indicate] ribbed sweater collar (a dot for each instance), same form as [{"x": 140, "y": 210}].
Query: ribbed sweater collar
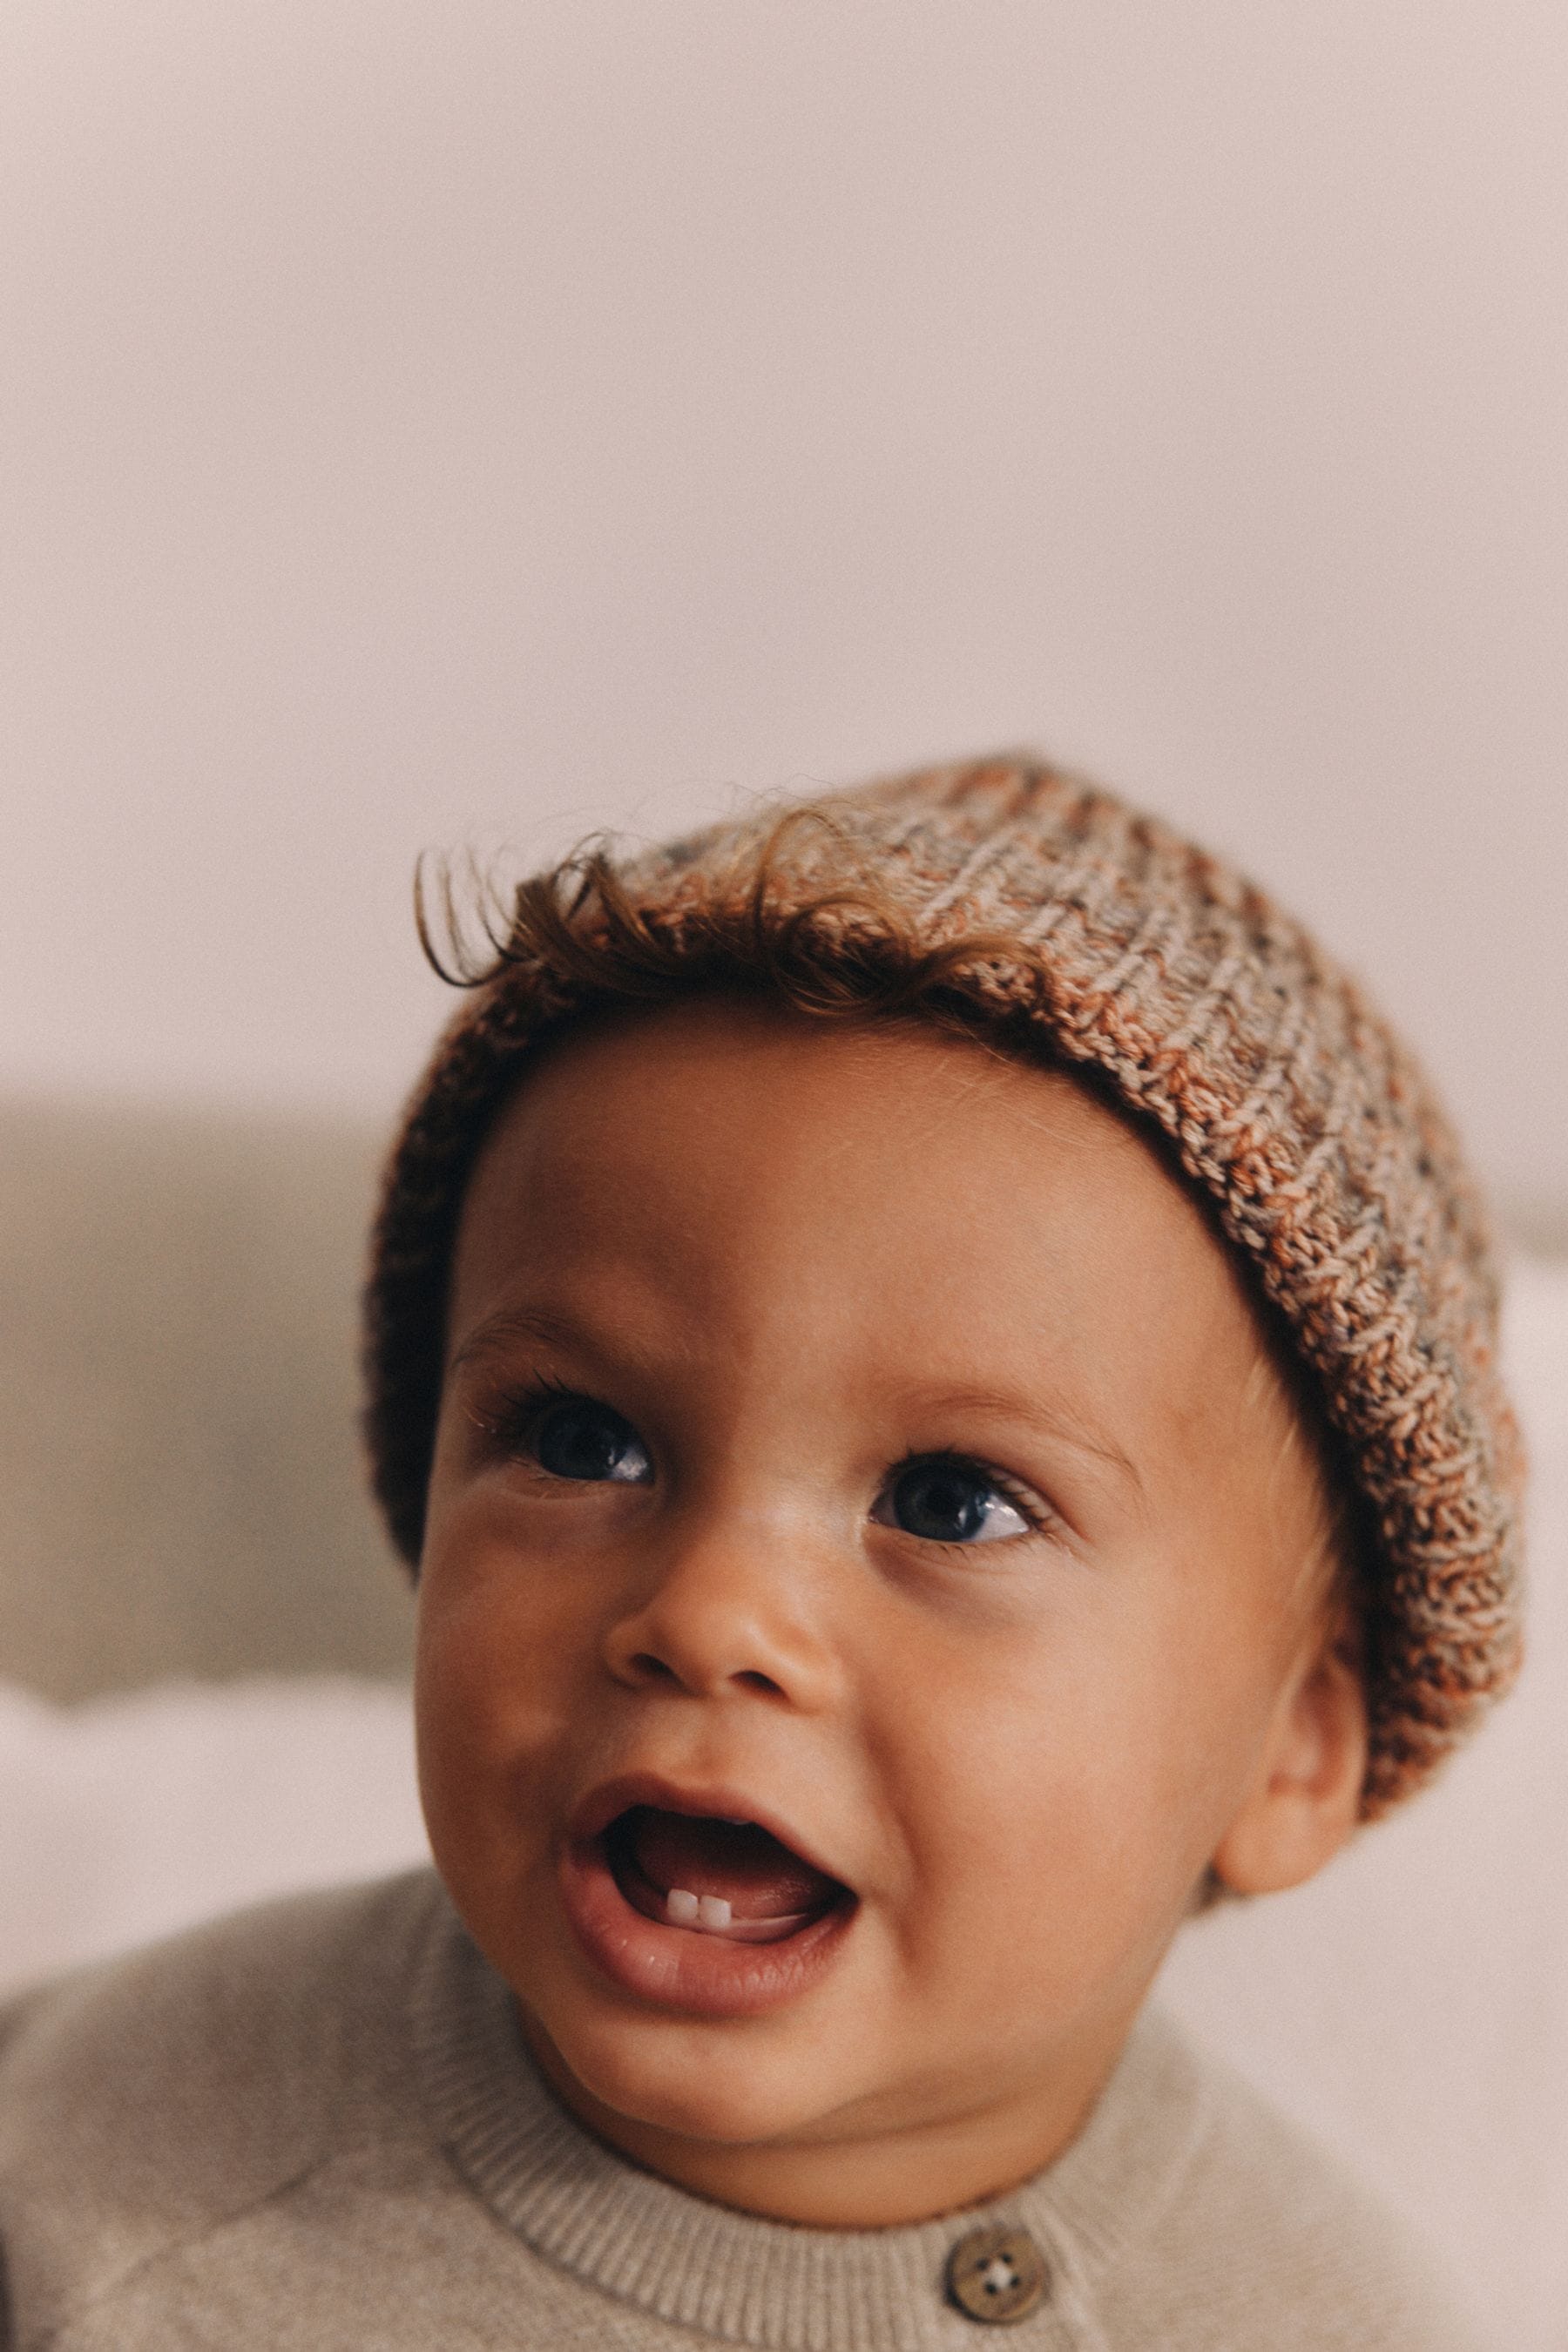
[{"x": 772, "y": 2285}]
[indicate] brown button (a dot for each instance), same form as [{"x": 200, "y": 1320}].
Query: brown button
[{"x": 997, "y": 2275}]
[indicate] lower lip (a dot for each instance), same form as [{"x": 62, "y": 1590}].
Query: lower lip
[{"x": 680, "y": 1968}]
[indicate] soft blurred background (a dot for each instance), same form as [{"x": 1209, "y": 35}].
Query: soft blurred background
[{"x": 466, "y": 428}]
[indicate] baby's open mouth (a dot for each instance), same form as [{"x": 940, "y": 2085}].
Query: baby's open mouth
[
  {"x": 717, "y": 1877},
  {"x": 689, "y": 1905}
]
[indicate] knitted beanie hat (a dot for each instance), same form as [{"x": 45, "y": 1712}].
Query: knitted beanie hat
[{"x": 1026, "y": 906}]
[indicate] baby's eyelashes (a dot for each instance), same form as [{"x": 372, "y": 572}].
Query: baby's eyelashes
[
  {"x": 944, "y": 1498},
  {"x": 569, "y": 1437},
  {"x": 941, "y": 1498}
]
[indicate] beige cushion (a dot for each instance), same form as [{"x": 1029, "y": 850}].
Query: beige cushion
[{"x": 179, "y": 1471}]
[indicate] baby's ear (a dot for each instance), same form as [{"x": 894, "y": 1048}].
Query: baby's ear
[{"x": 1305, "y": 1799}]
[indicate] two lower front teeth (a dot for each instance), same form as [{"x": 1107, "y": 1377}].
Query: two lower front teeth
[{"x": 684, "y": 1909}]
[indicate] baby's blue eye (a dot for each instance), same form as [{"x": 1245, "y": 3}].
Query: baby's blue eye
[
  {"x": 948, "y": 1501},
  {"x": 580, "y": 1439}
]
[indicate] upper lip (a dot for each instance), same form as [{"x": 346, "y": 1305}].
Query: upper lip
[{"x": 603, "y": 1804}]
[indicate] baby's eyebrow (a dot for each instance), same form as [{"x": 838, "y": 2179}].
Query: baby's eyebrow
[
  {"x": 538, "y": 1327},
  {"x": 1058, "y": 1422},
  {"x": 505, "y": 1328}
]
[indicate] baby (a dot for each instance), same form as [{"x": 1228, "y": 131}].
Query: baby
[{"x": 933, "y": 1360}]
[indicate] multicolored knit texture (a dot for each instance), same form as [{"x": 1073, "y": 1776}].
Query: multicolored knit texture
[{"x": 1103, "y": 940}]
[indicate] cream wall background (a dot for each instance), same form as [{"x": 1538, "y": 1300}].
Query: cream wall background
[{"x": 431, "y": 426}]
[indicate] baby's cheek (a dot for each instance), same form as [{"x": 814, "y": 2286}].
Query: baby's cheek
[
  {"x": 1058, "y": 1827},
  {"x": 478, "y": 1714}
]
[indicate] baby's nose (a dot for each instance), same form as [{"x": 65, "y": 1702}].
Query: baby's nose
[{"x": 722, "y": 1614}]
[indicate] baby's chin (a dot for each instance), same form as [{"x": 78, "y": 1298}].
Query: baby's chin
[{"x": 633, "y": 2081}]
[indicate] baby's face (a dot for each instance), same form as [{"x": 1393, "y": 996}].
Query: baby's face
[{"x": 850, "y": 1435}]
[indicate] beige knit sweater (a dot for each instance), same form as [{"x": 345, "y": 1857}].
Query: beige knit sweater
[{"x": 315, "y": 2127}]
